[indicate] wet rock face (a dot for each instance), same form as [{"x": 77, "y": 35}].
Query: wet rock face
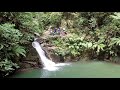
[
  {"x": 55, "y": 58},
  {"x": 32, "y": 58},
  {"x": 50, "y": 55},
  {"x": 32, "y": 55},
  {"x": 40, "y": 40}
]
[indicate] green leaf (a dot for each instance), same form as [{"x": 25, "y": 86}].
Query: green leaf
[
  {"x": 1, "y": 46},
  {"x": 77, "y": 47},
  {"x": 89, "y": 44},
  {"x": 19, "y": 50}
]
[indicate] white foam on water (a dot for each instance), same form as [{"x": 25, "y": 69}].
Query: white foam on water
[{"x": 47, "y": 63}]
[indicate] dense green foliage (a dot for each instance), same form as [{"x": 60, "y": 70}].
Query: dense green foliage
[
  {"x": 17, "y": 31},
  {"x": 95, "y": 34},
  {"x": 89, "y": 34}
]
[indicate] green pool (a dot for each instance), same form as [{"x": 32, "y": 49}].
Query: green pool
[{"x": 75, "y": 70}]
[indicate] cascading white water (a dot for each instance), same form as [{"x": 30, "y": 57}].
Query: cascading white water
[{"x": 48, "y": 64}]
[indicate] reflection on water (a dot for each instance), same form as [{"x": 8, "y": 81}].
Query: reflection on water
[
  {"x": 46, "y": 73},
  {"x": 76, "y": 70}
]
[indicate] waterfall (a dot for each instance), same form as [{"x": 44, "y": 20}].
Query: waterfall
[{"x": 47, "y": 63}]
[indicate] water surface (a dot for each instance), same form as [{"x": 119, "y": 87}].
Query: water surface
[{"x": 76, "y": 70}]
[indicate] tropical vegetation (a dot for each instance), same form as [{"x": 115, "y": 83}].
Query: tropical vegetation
[{"x": 95, "y": 35}]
